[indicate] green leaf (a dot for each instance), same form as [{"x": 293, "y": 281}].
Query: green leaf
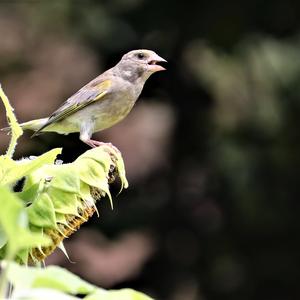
[
  {"x": 29, "y": 194},
  {"x": 62, "y": 280},
  {"x": 63, "y": 202},
  {"x": 14, "y": 224},
  {"x": 12, "y": 218},
  {"x": 3, "y": 237},
  {"x": 41, "y": 212},
  {"x": 41, "y": 293},
  {"x": 50, "y": 277},
  {"x": 65, "y": 177},
  {"x": 6, "y": 163},
  {"x": 22, "y": 256},
  {"x": 11, "y": 171},
  {"x": 100, "y": 155},
  {"x": 124, "y": 294},
  {"x": 91, "y": 172},
  {"x": 37, "y": 281}
]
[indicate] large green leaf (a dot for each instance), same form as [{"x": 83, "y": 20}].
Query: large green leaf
[
  {"x": 37, "y": 281},
  {"x": 11, "y": 171},
  {"x": 103, "y": 156},
  {"x": 50, "y": 277},
  {"x": 91, "y": 172},
  {"x": 64, "y": 177},
  {"x": 14, "y": 224}
]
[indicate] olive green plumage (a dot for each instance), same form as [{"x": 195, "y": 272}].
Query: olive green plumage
[{"x": 104, "y": 101}]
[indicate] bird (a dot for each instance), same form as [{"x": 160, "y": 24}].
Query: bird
[{"x": 104, "y": 101}]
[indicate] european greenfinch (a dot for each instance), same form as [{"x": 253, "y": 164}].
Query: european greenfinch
[{"x": 104, "y": 101}]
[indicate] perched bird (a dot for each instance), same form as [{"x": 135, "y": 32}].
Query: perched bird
[{"x": 104, "y": 101}]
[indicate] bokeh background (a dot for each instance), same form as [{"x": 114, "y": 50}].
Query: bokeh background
[{"x": 211, "y": 148}]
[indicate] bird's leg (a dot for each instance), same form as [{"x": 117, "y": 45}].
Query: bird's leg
[{"x": 86, "y": 131}]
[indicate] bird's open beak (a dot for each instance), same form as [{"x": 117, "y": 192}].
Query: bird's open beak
[{"x": 154, "y": 62}]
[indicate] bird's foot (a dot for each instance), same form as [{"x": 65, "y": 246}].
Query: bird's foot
[{"x": 94, "y": 144}]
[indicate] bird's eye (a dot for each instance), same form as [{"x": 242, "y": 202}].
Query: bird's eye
[{"x": 141, "y": 55}]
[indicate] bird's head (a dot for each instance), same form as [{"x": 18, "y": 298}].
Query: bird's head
[{"x": 141, "y": 63}]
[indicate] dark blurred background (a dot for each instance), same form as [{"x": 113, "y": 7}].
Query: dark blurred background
[{"x": 211, "y": 148}]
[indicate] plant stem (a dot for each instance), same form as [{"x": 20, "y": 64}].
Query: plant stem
[{"x": 16, "y": 130}]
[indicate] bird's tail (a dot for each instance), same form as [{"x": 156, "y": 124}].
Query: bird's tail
[{"x": 30, "y": 125}]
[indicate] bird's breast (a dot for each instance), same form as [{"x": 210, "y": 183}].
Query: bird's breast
[
  {"x": 108, "y": 111},
  {"x": 111, "y": 111}
]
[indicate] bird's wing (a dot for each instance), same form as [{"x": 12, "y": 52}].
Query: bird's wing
[{"x": 92, "y": 92}]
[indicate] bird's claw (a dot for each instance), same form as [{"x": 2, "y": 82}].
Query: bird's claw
[{"x": 94, "y": 144}]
